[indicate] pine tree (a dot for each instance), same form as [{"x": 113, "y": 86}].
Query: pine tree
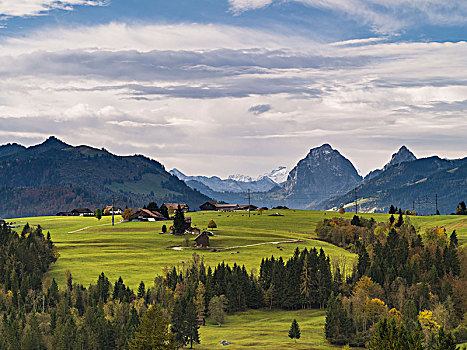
[
  {"x": 392, "y": 209},
  {"x": 453, "y": 239},
  {"x": 400, "y": 220},
  {"x": 179, "y": 221},
  {"x": 391, "y": 219},
  {"x": 461, "y": 209},
  {"x": 294, "y": 331},
  {"x": 141, "y": 290}
]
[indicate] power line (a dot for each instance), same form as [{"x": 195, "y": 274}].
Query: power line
[{"x": 356, "y": 201}]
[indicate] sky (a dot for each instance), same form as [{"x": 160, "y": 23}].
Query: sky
[{"x": 219, "y": 87}]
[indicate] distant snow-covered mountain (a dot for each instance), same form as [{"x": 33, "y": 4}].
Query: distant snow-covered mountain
[
  {"x": 278, "y": 175},
  {"x": 234, "y": 183}
]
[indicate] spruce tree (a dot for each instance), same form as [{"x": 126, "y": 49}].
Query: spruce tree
[
  {"x": 294, "y": 331},
  {"x": 141, "y": 290},
  {"x": 400, "y": 220},
  {"x": 453, "y": 239},
  {"x": 179, "y": 221}
]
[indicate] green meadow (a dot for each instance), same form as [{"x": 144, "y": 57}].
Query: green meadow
[{"x": 138, "y": 252}]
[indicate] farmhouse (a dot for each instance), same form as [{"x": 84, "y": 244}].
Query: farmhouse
[
  {"x": 117, "y": 211},
  {"x": 64, "y": 213},
  {"x": 250, "y": 207},
  {"x": 146, "y": 215},
  {"x": 194, "y": 230},
  {"x": 202, "y": 240},
  {"x": 82, "y": 212},
  {"x": 213, "y": 206},
  {"x": 185, "y": 208}
]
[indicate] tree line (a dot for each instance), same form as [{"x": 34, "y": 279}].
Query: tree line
[{"x": 403, "y": 284}]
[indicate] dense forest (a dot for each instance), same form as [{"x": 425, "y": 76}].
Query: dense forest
[
  {"x": 403, "y": 283},
  {"x": 405, "y": 291}
]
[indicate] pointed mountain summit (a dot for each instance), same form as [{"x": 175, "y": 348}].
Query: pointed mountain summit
[
  {"x": 323, "y": 173},
  {"x": 401, "y": 156}
]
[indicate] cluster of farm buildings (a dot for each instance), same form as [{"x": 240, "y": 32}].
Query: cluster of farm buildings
[{"x": 155, "y": 215}]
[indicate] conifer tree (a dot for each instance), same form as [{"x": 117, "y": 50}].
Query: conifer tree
[
  {"x": 400, "y": 220},
  {"x": 453, "y": 239},
  {"x": 294, "y": 331},
  {"x": 141, "y": 290},
  {"x": 179, "y": 221}
]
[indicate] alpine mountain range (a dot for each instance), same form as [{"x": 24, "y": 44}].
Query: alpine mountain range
[{"x": 55, "y": 176}]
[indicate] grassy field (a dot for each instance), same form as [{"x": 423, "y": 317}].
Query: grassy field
[
  {"x": 267, "y": 329},
  {"x": 137, "y": 252}
]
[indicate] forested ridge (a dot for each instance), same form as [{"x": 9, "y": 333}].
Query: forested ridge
[{"x": 53, "y": 176}]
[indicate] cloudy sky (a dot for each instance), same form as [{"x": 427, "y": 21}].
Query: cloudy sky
[{"x": 216, "y": 87}]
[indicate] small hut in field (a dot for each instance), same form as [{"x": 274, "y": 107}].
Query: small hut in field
[{"x": 202, "y": 240}]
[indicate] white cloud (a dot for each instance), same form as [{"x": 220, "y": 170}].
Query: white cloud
[
  {"x": 22, "y": 8},
  {"x": 385, "y": 16},
  {"x": 171, "y": 92}
]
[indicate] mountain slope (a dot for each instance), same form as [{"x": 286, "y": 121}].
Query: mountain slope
[
  {"x": 133, "y": 180},
  {"x": 408, "y": 182},
  {"x": 401, "y": 156},
  {"x": 324, "y": 172},
  {"x": 10, "y": 148}
]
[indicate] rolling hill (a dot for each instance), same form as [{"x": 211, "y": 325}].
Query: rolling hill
[{"x": 54, "y": 176}]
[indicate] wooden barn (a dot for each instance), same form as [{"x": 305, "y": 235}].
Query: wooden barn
[
  {"x": 146, "y": 215},
  {"x": 185, "y": 208},
  {"x": 82, "y": 212},
  {"x": 213, "y": 206},
  {"x": 202, "y": 240},
  {"x": 247, "y": 207}
]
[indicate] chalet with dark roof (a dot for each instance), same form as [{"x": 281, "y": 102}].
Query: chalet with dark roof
[
  {"x": 213, "y": 206},
  {"x": 185, "y": 208},
  {"x": 117, "y": 211},
  {"x": 250, "y": 207},
  {"x": 146, "y": 215},
  {"x": 82, "y": 212}
]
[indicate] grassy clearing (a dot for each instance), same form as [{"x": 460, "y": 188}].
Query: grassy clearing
[{"x": 266, "y": 329}]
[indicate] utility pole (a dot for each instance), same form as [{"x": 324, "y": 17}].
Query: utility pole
[
  {"x": 113, "y": 204},
  {"x": 436, "y": 201},
  {"x": 249, "y": 202},
  {"x": 356, "y": 202},
  {"x": 426, "y": 205}
]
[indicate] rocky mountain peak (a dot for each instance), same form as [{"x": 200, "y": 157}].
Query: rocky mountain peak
[
  {"x": 324, "y": 172},
  {"x": 53, "y": 142},
  {"x": 401, "y": 156}
]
